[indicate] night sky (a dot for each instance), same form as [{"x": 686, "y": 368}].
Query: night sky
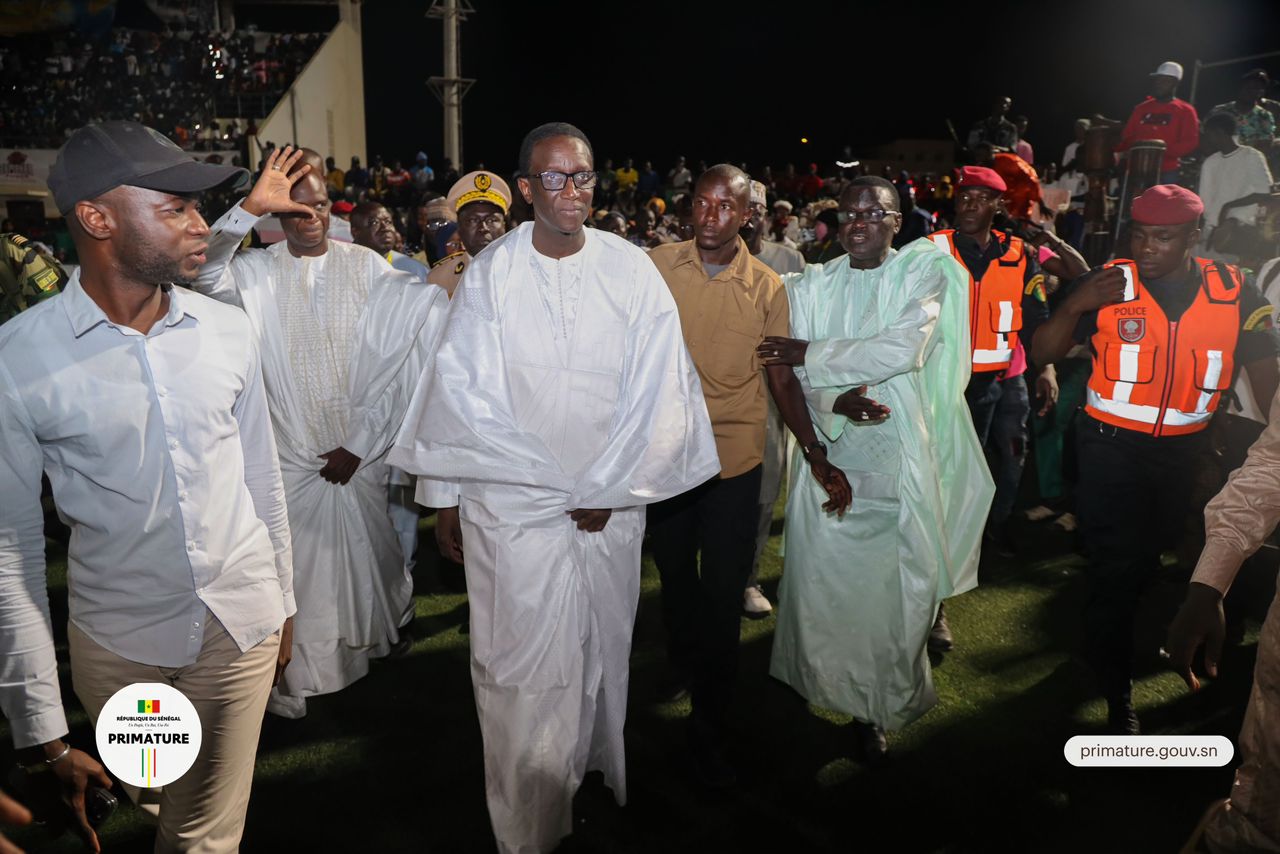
[{"x": 713, "y": 82}]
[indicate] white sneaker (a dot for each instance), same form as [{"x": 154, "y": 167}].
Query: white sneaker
[
  {"x": 754, "y": 605},
  {"x": 1038, "y": 513},
  {"x": 1067, "y": 522}
]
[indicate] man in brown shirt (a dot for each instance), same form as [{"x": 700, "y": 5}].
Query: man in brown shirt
[
  {"x": 729, "y": 302},
  {"x": 1236, "y": 522}
]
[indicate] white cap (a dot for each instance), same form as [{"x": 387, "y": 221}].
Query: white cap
[
  {"x": 1168, "y": 69},
  {"x": 758, "y": 193}
]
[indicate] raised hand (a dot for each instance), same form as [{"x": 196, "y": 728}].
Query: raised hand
[{"x": 271, "y": 193}]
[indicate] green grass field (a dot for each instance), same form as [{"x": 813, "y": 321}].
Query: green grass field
[{"x": 394, "y": 762}]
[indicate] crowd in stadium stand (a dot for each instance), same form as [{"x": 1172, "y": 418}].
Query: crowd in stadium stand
[{"x": 176, "y": 82}]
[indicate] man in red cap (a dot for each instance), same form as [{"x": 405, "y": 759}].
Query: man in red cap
[
  {"x": 1007, "y": 305},
  {"x": 1168, "y": 332}
]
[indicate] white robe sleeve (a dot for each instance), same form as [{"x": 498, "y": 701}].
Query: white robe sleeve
[
  {"x": 217, "y": 278},
  {"x": 262, "y": 473},
  {"x": 660, "y": 442},
  {"x": 821, "y": 401},
  {"x": 397, "y": 333},
  {"x": 901, "y": 347}
]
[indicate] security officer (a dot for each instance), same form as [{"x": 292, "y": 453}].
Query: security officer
[
  {"x": 481, "y": 200},
  {"x": 1006, "y": 306},
  {"x": 1168, "y": 332},
  {"x": 27, "y": 275}
]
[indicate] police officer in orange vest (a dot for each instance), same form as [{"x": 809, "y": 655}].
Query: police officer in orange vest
[
  {"x": 1168, "y": 333},
  {"x": 1006, "y": 305}
]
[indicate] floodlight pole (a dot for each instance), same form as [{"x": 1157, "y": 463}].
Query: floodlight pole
[
  {"x": 1196, "y": 69},
  {"x": 451, "y": 86}
]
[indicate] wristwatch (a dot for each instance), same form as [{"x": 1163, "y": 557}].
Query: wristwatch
[{"x": 811, "y": 447}]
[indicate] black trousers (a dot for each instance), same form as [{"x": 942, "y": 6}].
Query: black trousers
[
  {"x": 702, "y": 601},
  {"x": 1134, "y": 499}
]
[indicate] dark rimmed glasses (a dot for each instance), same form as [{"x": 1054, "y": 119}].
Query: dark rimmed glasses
[
  {"x": 558, "y": 180},
  {"x": 873, "y": 215}
]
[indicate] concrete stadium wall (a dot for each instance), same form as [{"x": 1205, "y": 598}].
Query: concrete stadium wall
[{"x": 324, "y": 109}]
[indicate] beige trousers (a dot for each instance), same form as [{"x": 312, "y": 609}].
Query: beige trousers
[
  {"x": 1251, "y": 819},
  {"x": 203, "y": 812}
]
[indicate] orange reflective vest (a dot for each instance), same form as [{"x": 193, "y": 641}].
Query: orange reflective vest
[
  {"x": 995, "y": 302},
  {"x": 1159, "y": 376}
]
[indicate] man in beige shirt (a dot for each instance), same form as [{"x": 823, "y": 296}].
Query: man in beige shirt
[
  {"x": 1237, "y": 521},
  {"x": 729, "y": 302}
]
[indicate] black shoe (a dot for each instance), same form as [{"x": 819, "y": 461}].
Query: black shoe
[
  {"x": 673, "y": 687},
  {"x": 997, "y": 539},
  {"x": 403, "y": 644},
  {"x": 940, "y": 639},
  {"x": 869, "y": 739},
  {"x": 711, "y": 767},
  {"x": 1121, "y": 718}
]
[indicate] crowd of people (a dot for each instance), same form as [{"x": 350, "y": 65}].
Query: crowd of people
[
  {"x": 568, "y": 362},
  {"x": 179, "y": 83}
]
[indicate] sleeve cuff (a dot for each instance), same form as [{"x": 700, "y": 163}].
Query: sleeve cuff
[
  {"x": 290, "y": 604},
  {"x": 236, "y": 221},
  {"x": 435, "y": 492},
  {"x": 360, "y": 442},
  {"x": 39, "y": 728},
  {"x": 1218, "y": 565},
  {"x": 824, "y": 417}
]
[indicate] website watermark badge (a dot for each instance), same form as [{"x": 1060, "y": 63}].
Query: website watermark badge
[
  {"x": 148, "y": 734},
  {"x": 1174, "y": 751}
]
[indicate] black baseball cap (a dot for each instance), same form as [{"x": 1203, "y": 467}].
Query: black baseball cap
[{"x": 101, "y": 157}]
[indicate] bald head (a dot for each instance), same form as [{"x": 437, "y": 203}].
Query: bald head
[{"x": 733, "y": 178}]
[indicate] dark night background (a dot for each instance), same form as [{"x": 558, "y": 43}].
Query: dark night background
[{"x": 721, "y": 81}]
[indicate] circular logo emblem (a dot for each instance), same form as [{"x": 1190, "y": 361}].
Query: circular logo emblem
[
  {"x": 483, "y": 181},
  {"x": 148, "y": 734}
]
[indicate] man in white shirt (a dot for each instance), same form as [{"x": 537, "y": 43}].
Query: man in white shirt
[
  {"x": 1229, "y": 177},
  {"x": 144, "y": 404}
]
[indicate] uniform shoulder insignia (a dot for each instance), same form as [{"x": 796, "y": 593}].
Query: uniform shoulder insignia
[
  {"x": 1035, "y": 288},
  {"x": 1260, "y": 319},
  {"x": 462, "y": 265}
]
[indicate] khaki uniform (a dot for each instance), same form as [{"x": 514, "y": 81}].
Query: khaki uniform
[
  {"x": 27, "y": 275},
  {"x": 448, "y": 271}
]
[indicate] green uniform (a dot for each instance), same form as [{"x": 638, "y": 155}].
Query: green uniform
[{"x": 27, "y": 275}]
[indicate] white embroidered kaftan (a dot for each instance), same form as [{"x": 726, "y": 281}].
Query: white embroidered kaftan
[
  {"x": 559, "y": 385},
  {"x": 343, "y": 338}
]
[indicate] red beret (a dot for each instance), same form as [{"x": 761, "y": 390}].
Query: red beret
[
  {"x": 1167, "y": 204},
  {"x": 981, "y": 176},
  {"x": 343, "y": 207}
]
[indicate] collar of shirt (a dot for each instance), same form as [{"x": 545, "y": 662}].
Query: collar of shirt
[
  {"x": 738, "y": 269},
  {"x": 978, "y": 258},
  {"x": 84, "y": 314}
]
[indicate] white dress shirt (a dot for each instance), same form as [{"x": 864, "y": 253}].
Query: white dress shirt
[{"x": 162, "y": 460}]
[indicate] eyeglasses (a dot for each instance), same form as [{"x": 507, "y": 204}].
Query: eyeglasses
[
  {"x": 873, "y": 215},
  {"x": 558, "y": 180}
]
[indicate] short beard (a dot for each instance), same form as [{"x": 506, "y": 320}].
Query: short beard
[{"x": 145, "y": 262}]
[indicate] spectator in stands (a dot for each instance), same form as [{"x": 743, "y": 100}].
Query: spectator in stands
[
  {"x": 1023, "y": 148},
  {"x": 1254, "y": 114},
  {"x": 1078, "y": 130},
  {"x": 398, "y": 182},
  {"x": 335, "y": 180},
  {"x": 647, "y": 186},
  {"x": 811, "y": 184},
  {"x": 357, "y": 180},
  {"x": 995, "y": 128},
  {"x": 1231, "y": 180},
  {"x": 421, "y": 175},
  {"x": 679, "y": 178},
  {"x": 1165, "y": 117}
]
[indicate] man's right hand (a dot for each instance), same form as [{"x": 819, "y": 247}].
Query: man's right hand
[
  {"x": 15, "y": 814},
  {"x": 1098, "y": 290},
  {"x": 67, "y": 780},
  {"x": 1199, "y": 621},
  {"x": 449, "y": 533},
  {"x": 271, "y": 193},
  {"x": 853, "y": 405}
]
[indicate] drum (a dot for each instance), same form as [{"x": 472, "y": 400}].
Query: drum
[{"x": 1099, "y": 146}]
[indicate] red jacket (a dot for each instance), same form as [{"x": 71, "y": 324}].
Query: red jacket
[{"x": 1174, "y": 121}]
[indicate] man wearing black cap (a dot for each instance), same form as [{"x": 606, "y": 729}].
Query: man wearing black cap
[{"x": 145, "y": 404}]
